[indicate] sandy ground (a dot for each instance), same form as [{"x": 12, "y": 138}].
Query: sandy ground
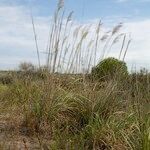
[{"x": 11, "y": 139}]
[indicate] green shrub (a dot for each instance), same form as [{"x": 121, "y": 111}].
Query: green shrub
[{"x": 110, "y": 68}]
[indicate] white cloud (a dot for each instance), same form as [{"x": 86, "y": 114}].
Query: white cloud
[
  {"x": 16, "y": 35},
  {"x": 139, "y": 50},
  {"x": 17, "y": 42},
  {"x": 140, "y": 47}
]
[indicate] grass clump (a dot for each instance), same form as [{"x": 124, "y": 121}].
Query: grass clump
[
  {"x": 80, "y": 118},
  {"x": 6, "y": 78},
  {"x": 109, "y": 68}
]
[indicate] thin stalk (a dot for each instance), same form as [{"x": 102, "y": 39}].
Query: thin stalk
[
  {"x": 123, "y": 43},
  {"x": 57, "y": 41},
  {"x": 126, "y": 49},
  {"x": 35, "y": 38},
  {"x": 96, "y": 43},
  {"x": 64, "y": 37}
]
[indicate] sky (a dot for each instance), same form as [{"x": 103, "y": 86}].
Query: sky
[{"x": 16, "y": 34}]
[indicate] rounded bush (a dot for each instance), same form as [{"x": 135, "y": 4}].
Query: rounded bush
[
  {"x": 110, "y": 68},
  {"x": 26, "y": 67}
]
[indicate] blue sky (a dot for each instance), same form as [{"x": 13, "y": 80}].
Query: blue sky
[
  {"x": 16, "y": 39},
  {"x": 90, "y": 9}
]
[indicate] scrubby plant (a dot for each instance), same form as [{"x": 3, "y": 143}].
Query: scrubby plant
[
  {"x": 109, "y": 68},
  {"x": 26, "y": 67}
]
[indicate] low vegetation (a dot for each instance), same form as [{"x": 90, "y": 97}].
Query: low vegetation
[
  {"x": 64, "y": 111},
  {"x": 110, "y": 68}
]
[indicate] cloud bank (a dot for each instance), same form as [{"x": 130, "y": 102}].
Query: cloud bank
[{"x": 17, "y": 40}]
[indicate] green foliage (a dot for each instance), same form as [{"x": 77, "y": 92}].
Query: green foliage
[
  {"x": 80, "y": 117},
  {"x": 110, "y": 68}
]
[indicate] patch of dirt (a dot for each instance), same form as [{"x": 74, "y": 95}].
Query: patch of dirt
[{"x": 12, "y": 139}]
